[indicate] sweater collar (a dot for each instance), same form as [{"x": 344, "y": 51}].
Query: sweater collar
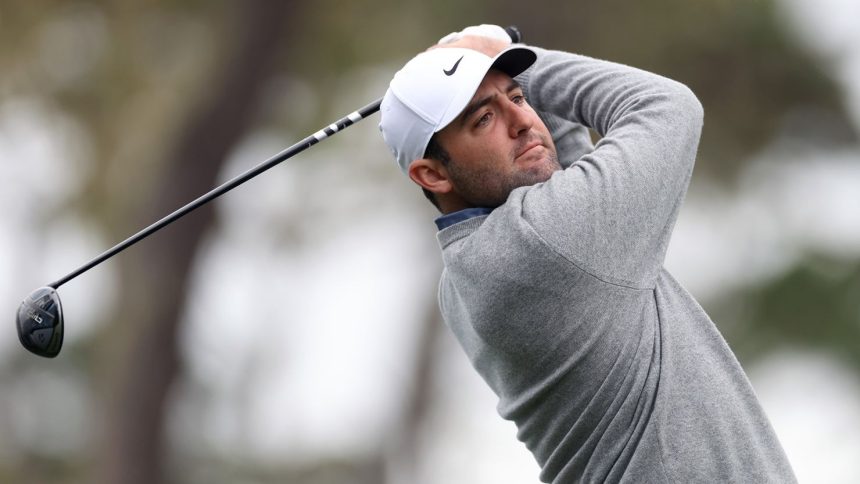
[{"x": 452, "y": 218}]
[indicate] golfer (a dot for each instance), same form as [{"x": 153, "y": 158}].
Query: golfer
[{"x": 553, "y": 251}]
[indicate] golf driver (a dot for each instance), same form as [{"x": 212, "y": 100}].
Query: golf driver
[{"x": 40, "y": 317}]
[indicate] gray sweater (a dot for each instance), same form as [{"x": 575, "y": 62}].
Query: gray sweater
[{"x": 609, "y": 368}]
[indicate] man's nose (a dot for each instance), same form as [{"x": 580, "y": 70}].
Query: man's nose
[{"x": 519, "y": 120}]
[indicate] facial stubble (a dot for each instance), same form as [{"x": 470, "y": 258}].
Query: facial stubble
[{"x": 489, "y": 189}]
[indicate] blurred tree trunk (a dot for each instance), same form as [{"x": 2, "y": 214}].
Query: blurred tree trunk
[
  {"x": 155, "y": 279},
  {"x": 404, "y": 445}
]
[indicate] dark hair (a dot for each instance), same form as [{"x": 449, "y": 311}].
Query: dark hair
[{"x": 435, "y": 151}]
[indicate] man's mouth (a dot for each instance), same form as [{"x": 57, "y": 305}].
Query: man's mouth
[{"x": 528, "y": 147}]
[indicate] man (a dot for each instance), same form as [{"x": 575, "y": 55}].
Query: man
[{"x": 553, "y": 250}]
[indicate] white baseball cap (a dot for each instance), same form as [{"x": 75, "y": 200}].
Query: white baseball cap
[{"x": 432, "y": 89}]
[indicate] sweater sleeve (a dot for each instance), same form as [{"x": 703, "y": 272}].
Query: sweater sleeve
[{"x": 611, "y": 210}]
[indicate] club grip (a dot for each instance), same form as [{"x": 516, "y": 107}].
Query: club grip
[{"x": 514, "y": 34}]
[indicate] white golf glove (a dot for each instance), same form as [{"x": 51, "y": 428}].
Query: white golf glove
[{"x": 483, "y": 30}]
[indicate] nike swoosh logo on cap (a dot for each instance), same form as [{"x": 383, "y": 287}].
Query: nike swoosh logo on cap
[{"x": 453, "y": 69}]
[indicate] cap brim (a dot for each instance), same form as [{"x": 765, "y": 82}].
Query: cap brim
[{"x": 514, "y": 60}]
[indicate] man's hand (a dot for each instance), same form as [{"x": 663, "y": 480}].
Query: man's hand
[{"x": 487, "y": 39}]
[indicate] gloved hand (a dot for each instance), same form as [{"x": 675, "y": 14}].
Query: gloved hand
[
  {"x": 483, "y": 30},
  {"x": 485, "y": 38}
]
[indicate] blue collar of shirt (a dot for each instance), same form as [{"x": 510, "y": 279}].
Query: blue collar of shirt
[{"x": 452, "y": 218}]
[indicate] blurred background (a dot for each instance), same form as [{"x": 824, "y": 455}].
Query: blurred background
[{"x": 288, "y": 333}]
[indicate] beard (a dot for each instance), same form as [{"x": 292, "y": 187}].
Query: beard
[{"x": 490, "y": 188}]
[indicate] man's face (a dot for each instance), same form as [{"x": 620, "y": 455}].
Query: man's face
[{"x": 497, "y": 144}]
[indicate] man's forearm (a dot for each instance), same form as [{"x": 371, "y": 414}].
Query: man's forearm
[
  {"x": 613, "y": 209},
  {"x": 601, "y": 94}
]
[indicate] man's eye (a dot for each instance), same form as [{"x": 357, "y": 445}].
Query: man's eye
[
  {"x": 518, "y": 99},
  {"x": 483, "y": 119}
]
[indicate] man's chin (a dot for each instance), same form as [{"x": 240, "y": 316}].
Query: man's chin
[{"x": 539, "y": 171}]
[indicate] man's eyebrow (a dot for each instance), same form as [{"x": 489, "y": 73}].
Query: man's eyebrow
[{"x": 472, "y": 107}]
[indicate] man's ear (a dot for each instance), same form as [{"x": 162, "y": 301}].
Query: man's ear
[{"x": 430, "y": 174}]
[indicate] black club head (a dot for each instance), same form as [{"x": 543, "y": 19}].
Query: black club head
[{"x": 40, "y": 322}]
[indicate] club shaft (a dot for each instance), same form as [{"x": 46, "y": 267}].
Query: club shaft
[{"x": 293, "y": 150}]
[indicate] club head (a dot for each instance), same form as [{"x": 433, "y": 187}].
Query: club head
[{"x": 40, "y": 322}]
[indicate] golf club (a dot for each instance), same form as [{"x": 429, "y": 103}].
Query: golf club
[
  {"x": 40, "y": 316},
  {"x": 39, "y": 319}
]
